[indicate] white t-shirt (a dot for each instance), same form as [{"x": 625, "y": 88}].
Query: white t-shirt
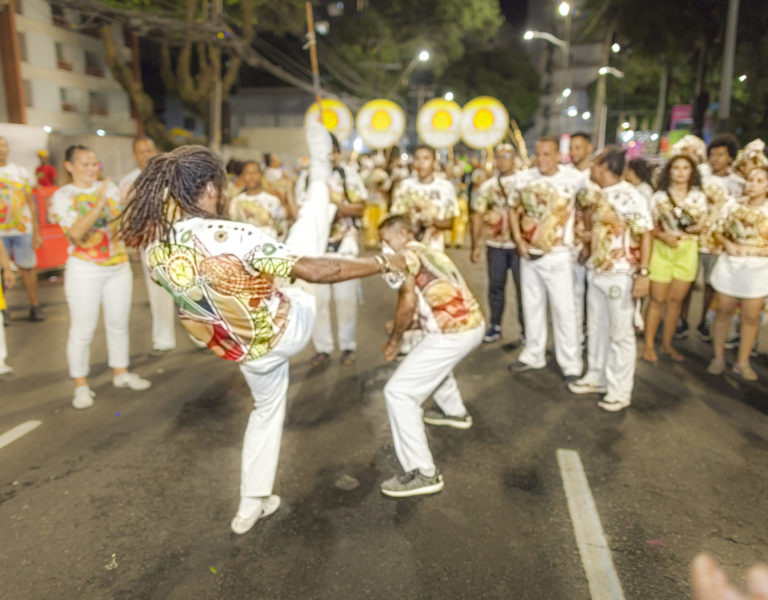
[
  {"x": 432, "y": 201},
  {"x": 547, "y": 203},
  {"x": 226, "y": 280},
  {"x": 261, "y": 210},
  {"x": 15, "y": 216},
  {"x": 618, "y": 224},
  {"x": 127, "y": 181}
]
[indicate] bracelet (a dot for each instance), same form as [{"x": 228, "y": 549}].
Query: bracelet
[
  {"x": 383, "y": 262},
  {"x": 643, "y": 272}
]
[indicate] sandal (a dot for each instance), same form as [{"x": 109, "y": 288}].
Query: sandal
[
  {"x": 320, "y": 359},
  {"x": 745, "y": 372},
  {"x": 348, "y": 357}
]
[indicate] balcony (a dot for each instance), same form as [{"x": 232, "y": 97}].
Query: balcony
[
  {"x": 68, "y": 107},
  {"x": 63, "y": 64},
  {"x": 94, "y": 71},
  {"x": 100, "y": 111}
]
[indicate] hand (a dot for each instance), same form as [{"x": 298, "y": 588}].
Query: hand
[
  {"x": 522, "y": 249},
  {"x": 9, "y": 278},
  {"x": 397, "y": 262},
  {"x": 710, "y": 582},
  {"x": 390, "y": 349},
  {"x": 475, "y": 254},
  {"x": 641, "y": 286},
  {"x": 389, "y": 327},
  {"x": 37, "y": 240},
  {"x": 670, "y": 239},
  {"x": 102, "y": 192}
]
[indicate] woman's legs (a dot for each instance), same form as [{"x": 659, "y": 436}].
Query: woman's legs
[
  {"x": 657, "y": 298},
  {"x": 750, "y": 321},
  {"x": 675, "y": 296},
  {"x": 726, "y": 306}
]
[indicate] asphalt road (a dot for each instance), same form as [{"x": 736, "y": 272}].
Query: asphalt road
[{"x": 132, "y": 498}]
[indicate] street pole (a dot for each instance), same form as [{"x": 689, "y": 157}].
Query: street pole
[
  {"x": 599, "y": 126},
  {"x": 214, "y": 126},
  {"x": 726, "y": 81},
  {"x": 658, "y": 122}
]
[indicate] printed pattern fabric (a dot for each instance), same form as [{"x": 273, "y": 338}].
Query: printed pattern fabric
[
  {"x": 261, "y": 210},
  {"x": 547, "y": 203},
  {"x": 445, "y": 303},
  {"x": 424, "y": 203},
  {"x": 618, "y": 223},
  {"x": 746, "y": 224},
  {"x": 719, "y": 191},
  {"x": 224, "y": 278},
  {"x": 493, "y": 204},
  {"x": 356, "y": 193},
  {"x": 15, "y": 217},
  {"x": 678, "y": 217},
  {"x": 101, "y": 244}
]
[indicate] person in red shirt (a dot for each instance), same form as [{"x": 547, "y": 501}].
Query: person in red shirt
[{"x": 46, "y": 173}]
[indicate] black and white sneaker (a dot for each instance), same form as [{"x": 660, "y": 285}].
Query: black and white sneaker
[
  {"x": 682, "y": 329},
  {"x": 413, "y": 483},
  {"x": 436, "y": 416},
  {"x": 520, "y": 367},
  {"x": 492, "y": 335}
]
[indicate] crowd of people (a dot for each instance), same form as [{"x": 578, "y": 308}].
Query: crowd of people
[{"x": 250, "y": 260}]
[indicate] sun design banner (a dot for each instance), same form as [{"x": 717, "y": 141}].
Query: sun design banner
[
  {"x": 439, "y": 123},
  {"x": 380, "y": 123},
  {"x": 484, "y": 122},
  {"x": 336, "y": 117}
]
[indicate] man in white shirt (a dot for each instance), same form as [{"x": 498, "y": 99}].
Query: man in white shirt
[
  {"x": 429, "y": 201},
  {"x": 543, "y": 227},
  {"x": 490, "y": 224},
  {"x": 161, "y": 305},
  {"x": 620, "y": 249}
]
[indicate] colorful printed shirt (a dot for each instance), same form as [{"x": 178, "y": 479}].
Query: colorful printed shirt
[
  {"x": 127, "y": 181},
  {"x": 101, "y": 244},
  {"x": 425, "y": 203},
  {"x": 618, "y": 223},
  {"x": 745, "y": 224},
  {"x": 547, "y": 204},
  {"x": 264, "y": 211},
  {"x": 493, "y": 200},
  {"x": 15, "y": 216},
  {"x": 719, "y": 190},
  {"x": 225, "y": 280},
  {"x": 445, "y": 303},
  {"x": 677, "y": 217}
]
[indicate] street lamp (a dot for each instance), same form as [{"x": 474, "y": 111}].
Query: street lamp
[
  {"x": 742, "y": 78},
  {"x": 611, "y": 71},
  {"x": 572, "y": 111},
  {"x": 422, "y": 56},
  {"x": 615, "y": 47},
  {"x": 566, "y": 92},
  {"x": 543, "y": 35},
  {"x": 602, "y": 110},
  {"x": 449, "y": 96},
  {"x": 564, "y": 9}
]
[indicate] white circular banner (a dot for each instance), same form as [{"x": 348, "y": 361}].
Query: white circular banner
[
  {"x": 439, "y": 123},
  {"x": 380, "y": 123},
  {"x": 484, "y": 122},
  {"x": 337, "y": 118}
]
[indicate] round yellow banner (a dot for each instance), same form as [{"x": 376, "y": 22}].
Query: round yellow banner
[
  {"x": 380, "y": 123},
  {"x": 439, "y": 123},
  {"x": 336, "y": 117},
  {"x": 484, "y": 122}
]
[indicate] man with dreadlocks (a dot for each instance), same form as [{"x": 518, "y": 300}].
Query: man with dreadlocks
[{"x": 232, "y": 286}]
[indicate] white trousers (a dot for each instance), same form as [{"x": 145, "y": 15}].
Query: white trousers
[
  {"x": 3, "y": 347},
  {"x": 345, "y": 300},
  {"x": 163, "y": 310},
  {"x": 267, "y": 377},
  {"x": 550, "y": 279},
  {"x": 426, "y": 370},
  {"x": 579, "y": 292},
  {"x": 611, "y": 345},
  {"x": 87, "y": 287}
]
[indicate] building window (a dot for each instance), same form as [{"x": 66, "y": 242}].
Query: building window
[
  {"x": 93, "y": 64},
  {"x": 97, "y": 104},
  {"x": 189, "y": 123},
  {"x": 18, "y": 7},
  {"x": 68, "y": 103},
  {"x": 60, "y": 61},
  {"x": 57, "y": 16},
  {"x": 27, "y": 93},
  {"x": 22, "y": 46}
]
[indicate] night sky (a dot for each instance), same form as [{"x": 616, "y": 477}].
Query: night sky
[{"x": 514, "y": 10}]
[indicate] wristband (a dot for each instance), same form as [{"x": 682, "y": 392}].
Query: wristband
[
  {"x": 384, "y": 264},
  {"x": 643, "y": 272}
]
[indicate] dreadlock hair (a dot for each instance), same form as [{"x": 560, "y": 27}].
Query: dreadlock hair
[
  {"x": 665, "y": 179},
  {"x": 170, "y": 184}
]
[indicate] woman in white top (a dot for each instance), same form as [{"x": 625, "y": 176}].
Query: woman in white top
[
  {"x": 741, "y": 273},
  {"x": 97, "y": 273},
  {"x": 677, "y": 209}
]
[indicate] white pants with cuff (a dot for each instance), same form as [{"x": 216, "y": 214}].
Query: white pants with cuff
[
  {"x": 549, "y": 279},
  {"x": 267, "y": 377},
  {"x": 579, "y": 294},
  {"x": 163, "y": 310},
  {"x": 345, "y": 300},
  {"x": 611, "y": 344},
  {"x": 427, "y": 370},
  {"x": 3, "y": 347},
  {"x": 87, "y": 287}
]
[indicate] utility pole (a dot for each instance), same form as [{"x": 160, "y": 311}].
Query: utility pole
[
  {"x": 726, "y": 80},
  {"x": 601, "y": 110},
  {"x": 214, "y": 125}
]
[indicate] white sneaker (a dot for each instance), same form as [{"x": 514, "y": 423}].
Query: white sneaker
[
  {"x": 5, "y": 369},
  {"x": 584, "y": 386},
  {"x": 241, "y": 525},
  {"x": 83, "y": 397},
  {"x": 131, "y": 380},
  {"x": 614, "y": 405}
]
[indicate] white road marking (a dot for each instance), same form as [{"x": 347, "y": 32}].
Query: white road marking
[
  {"x": 14, "y": 434},
  {"x": 596, "y": 557}
]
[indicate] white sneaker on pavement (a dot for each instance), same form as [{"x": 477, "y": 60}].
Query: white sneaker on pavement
[
  {"x": 584, "y": 386},
  {"x": 83, "y": 397},
  {"x": 131, "y": 380},
  {"x": 614, "y": 405},
  {"x": 243, "y": 524},
  {"x": 5, "y": 369}
]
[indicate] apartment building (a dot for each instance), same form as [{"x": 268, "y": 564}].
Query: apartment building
[{"x": 55, "y": 75}]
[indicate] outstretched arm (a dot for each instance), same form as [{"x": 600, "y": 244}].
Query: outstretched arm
[
  {"x": 406, "y": 306},
  {"x": 332, "y": 270}
]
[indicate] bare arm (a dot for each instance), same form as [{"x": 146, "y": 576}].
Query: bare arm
[
  {"x": 349, "y": 209},
  {"x": 9, "y": 277},
  {"x": 476, "y": 235},
  {"x": 35, "y": 223},
  {"x": 333, "y": 270},
  {"x": 514, "y": 225},
  {"x": 84, "y": 224},
  {"x": 406, "y": 307},
  {"x": 642, "y": 284},
  {"x": 443, "y": 223}
]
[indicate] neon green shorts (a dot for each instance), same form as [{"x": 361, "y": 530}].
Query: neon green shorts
[{"x": 679, "y": 263}]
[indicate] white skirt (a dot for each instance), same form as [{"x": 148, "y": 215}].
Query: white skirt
[{"x": 741, "y": 276}]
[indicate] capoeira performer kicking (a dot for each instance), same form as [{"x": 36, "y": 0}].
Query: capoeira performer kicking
[
  {"x": 435, "y": 292},
  {"x": 231, "y": 284}
]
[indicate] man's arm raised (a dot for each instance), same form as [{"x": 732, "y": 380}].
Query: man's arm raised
[{"x": 332, "y": 270}]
